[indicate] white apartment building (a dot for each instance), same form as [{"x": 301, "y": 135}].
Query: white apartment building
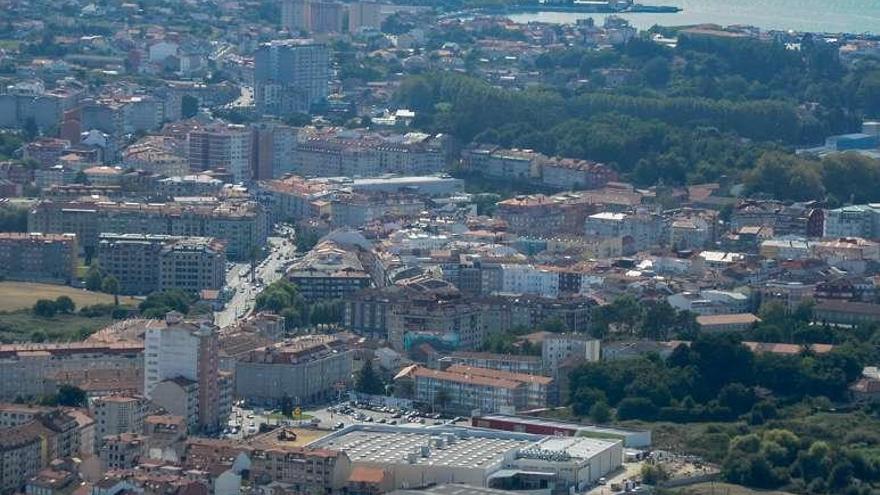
[
  {"x": 853, "y": 221},
  {"x": 190, "y": 351},
  {"x": 556, "y": 349},
  {"x": 527, "y": 279}
]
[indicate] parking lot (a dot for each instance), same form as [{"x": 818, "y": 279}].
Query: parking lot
[
  {"x": 246, "y": 421},
  {"x": 352, "y": 413}
]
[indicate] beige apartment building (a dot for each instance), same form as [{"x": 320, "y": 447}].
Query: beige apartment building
[
  {"x": 145, "y": 263},
  {"x": 36, "y": 257},
  {"x": 241, "y": 225},
  {"x": 463, "y": 389},
  {"x": 29, "y": 370},
  {"x": 307, "y": 369}
]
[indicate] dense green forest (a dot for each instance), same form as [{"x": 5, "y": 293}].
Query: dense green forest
[
  {"x": 705, "y": 109},
  {"x": 762, "y": 410}
]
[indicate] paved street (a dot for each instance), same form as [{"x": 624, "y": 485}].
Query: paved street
[{"x": 244, "y": 290}]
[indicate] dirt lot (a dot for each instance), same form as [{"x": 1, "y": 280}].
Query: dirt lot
[{"x": 16, "y": 296}]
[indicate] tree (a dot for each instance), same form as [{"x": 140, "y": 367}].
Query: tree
[
  {"x": 737, "y": 397},
  {"x": 555, "y": 325},
  {"x": 298, "y": 119},
  {"x": 81, "y": 178},
  {"x": 157, "y": 304},
  {"x": 45, "y": 308},
  {"x": 65, "y": 305},
  {"x": 94, "y": 278},
  {"x": 653, "y": 474},
  {"x": 368, "y": 381},
  {"x": 636, "y": 408},
  {"x": 189, "y": 106},
  {"x": 110, "y": 285},
  {"x": 600, "y": 412},
  {"x": 71, "y": 396},
  {"x": 286, "y": 406},
  {"x": 656, "y": 72}
]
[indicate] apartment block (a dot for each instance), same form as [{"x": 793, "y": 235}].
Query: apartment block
[
  {"x": 30, "y": 100},
  {"x": 530, "y": 365},
  {"x": 337, "y": 152},
  {"x": 115, "y": 414},
  {"x": 307, "y": 369},
  {"x": 158, "y": 155},
  {"x": 240, "y": 224},
  {"x": 639, "y": 231},
  {"x": 329, "y": 271},
  {"x": 38, "y": 257},
  {"x": 364, "y": 15},
  {"x": 291, "y": 75},
  {"x": 123, "y": 451},
  {"x": 558, "y": 348},
  {"x": 529, "y": 166},
  {"x": 221, "y": 146},
  {"x": 146, "y": 263},
  {"x": 312, "y": 16},
  {"x": 20, "y": 458},
  {"x": 273, "y": 149},
  {"x": 853, "y": 221},
  {"x": 187, "y": 350},
  {"x": 29, "y": 370},
  {"x": 463, "y": 389}
]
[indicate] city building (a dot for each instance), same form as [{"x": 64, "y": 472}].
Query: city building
[
  {"x": 187, "y": 350},
  {"x": 221, "y": 146},
  {"x": 462, "y": 389},
  {"x": 328, "y": 271},
  {"x": 529, "y": 166},
  {"x": 240, "y": 224},
  {"x": 307, "y": 369},
  {"x": 147, "y": 263},
  {"x": 180, "y": 397},
  {"x": 845, "y": 312},
  {"x": 515, "y": 363},
  {"x": 20, "y": 457},
  {"x": 558, "y": 348},
  {"x": 188, "y": 186},
  {"x": 291, "y": 75},
  {"x": 475, "y": 457},
  {"x": 528, "y": 279},
  {"x": 363, "y": 15},
  {"x": 313, "y": 16},
  {"x": 710, "y": 302},
  {"x": 29, "y": 370},
  {"x": 727, "y": 322},
  {"x": 158, "y": 155},
  {"x": 638, "y": 231},
  {"x": 115, "y": 414},
  {"x": 36, "y": 257},
  {"x": 633, "y": 439},
  {"x": 123, "y": 451},
  {"x": 273, "y": 150}
]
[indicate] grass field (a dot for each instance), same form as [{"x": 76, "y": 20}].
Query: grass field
[
  {"x": 722, "y": 489},
  {"x": 20, "y": 326},
  {"x": 15, "y": 296}
]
